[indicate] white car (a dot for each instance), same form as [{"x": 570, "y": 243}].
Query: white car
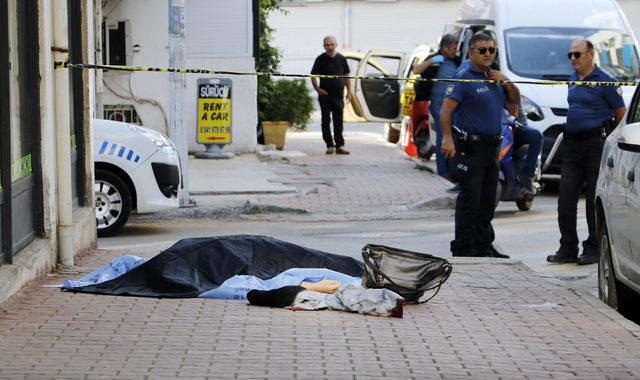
[
  {"x": 136, "y": 168},
  {"x": 618, "y": 213}
]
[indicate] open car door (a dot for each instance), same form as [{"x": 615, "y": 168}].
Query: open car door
[
  {"x": 353, "y": 111},
  {"x": 380, "y": 97}
]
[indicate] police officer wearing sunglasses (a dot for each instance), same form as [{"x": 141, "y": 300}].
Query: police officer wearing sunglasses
[
  {"x": 471, "y": 122},
  {"x": 593, "y": 112}
]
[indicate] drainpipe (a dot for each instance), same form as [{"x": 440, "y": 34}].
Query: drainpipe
[{"x": 63, "y": 134}]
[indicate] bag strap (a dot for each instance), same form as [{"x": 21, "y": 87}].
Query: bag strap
[
  {"x": 370, "y": 265},
  {"x": 449, "y": 268}
]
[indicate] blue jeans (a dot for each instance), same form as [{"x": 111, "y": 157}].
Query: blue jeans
[
  {"x": 533, "y": 137},
  {"x": 444, "y": 166}
]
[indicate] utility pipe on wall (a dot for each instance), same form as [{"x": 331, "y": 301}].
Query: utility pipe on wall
[
  {"x": 63, "y": 134},
  {"x": 177, "y": 91}
]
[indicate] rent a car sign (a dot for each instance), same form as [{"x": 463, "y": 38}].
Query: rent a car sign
[{"x": 214, "y": 111}]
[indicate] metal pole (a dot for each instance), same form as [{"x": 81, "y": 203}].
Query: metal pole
[
  {"x": 5, "y": 134},
  {"x": 177, "y": 90}
]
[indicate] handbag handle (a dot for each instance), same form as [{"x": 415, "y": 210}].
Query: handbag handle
[{"x": 447, "y": 265}]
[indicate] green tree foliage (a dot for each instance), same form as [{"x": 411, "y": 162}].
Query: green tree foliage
[
  {"x": 278, "y": 100},
  {"x": 268, "y": 59}
]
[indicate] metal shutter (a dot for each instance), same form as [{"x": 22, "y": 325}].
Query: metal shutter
[
  {"x": 218, "y": 28},
  {"x": 299, "y": 33},
  {"x": 394, "y": 25}
]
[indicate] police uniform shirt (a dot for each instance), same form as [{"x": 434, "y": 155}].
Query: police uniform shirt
[
  {"x": 480, "y": 104},
  {"x": 591, "y": 106},
  {"x": 337, "y": 65}
]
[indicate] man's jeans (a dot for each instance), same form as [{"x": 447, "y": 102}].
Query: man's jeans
[
  {"x": 533, "y": 137},
  {"x": 580, "y": 164},
  {"x": 444, "y": 166},
  {"x": 331, "y": 106}
]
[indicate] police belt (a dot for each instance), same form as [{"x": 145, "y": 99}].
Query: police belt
[
  {"x": 489, "y": 139},
  {"x": 586, "y": 135},
  {"x": 477, "y": 144}
]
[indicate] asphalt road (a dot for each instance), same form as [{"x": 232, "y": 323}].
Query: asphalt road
[{"x": 526, "y": 236}]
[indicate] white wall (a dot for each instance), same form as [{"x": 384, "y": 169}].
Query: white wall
[
  {"x": 394, "y": 25},
  {"x": 149, "y": 29},
  {"x": 226, "y": 45},
  {"x": 357, "y": 25}
]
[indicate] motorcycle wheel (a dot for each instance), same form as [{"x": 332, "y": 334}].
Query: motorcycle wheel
[
  {"x": 424, "y": 145},
  {"x": 524, "y": 204}
]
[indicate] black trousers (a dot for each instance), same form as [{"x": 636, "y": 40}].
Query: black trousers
[
  {"x": 580, "y": 164},
  {"x": 478, "y": 173},
  {"x": 332, "y": 106}
]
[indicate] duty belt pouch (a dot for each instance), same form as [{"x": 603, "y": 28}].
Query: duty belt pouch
[
  {"x": 407, "y": 273},
  {"x": 460, "y": 140}
]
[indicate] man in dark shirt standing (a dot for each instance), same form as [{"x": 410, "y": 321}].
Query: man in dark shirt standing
[
  {"x": 475, "y": 109},
  {"x": 331, "y": 93},
  {"x": 593, "y": 110}
]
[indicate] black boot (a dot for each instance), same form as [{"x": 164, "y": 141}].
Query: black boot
[{"x": 563, "y": 257}]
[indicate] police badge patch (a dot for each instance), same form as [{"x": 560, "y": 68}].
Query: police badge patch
[
  {"x": 619, "y": 91},
  {"x": 450, "y": 89}
]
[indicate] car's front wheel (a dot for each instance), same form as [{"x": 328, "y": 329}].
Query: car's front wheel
[
  {"x": 606, "y": 277},
  {"x": 113, "y": 202}
]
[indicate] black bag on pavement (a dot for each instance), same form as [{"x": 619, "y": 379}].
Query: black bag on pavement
[{"x": 407, "y": 273}]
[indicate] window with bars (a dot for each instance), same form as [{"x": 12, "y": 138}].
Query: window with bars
[{"x": 122, "y": 112}]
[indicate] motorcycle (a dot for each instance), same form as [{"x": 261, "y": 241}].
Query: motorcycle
[{"x": 511, "y": 162}]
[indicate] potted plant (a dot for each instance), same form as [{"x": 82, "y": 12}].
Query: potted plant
[{"x": 288, "y": 104}]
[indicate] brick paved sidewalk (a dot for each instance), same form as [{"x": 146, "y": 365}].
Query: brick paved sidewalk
[
  {"x": 374, "y": 178},
  {"x": 489, "y": 321}
]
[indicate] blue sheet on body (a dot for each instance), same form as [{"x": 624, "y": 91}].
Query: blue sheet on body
[{"x": 235, "y": 287}]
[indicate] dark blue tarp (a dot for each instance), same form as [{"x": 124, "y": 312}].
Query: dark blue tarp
[{"x": 193, "y": 266}]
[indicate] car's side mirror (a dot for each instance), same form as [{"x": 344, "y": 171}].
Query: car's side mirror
[
  {"x": 629, "y": 138},
  {"x": 534, "y": 116}
]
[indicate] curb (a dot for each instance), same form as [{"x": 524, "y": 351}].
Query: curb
[
  {"x": 435, "y": 202},
  {"x": 608, "y": 312},
  {"x": 213, "y": 212}
]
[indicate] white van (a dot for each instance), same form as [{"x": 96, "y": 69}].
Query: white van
[{"x": 533, "y": 38}]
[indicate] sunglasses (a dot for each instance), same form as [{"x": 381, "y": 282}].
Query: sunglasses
[
  {"x": 484, "y": 50},
  {"x": 576, "y": 54}
]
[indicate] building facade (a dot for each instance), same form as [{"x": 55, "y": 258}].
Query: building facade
[
  {"x": 46, "y": 196},
  {"x": 218, "y": 35},
  {"x": 362, "y": 25}
]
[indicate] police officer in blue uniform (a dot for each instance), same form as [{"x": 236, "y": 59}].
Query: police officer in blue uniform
[
  {"x": 593, "y": 112},
  {"x": 477, "y": 109}
]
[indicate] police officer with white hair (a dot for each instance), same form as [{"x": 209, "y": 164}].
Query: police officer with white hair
[
  {"x": 593, "y": 112},
  {"x": 475, "y": 109}
]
